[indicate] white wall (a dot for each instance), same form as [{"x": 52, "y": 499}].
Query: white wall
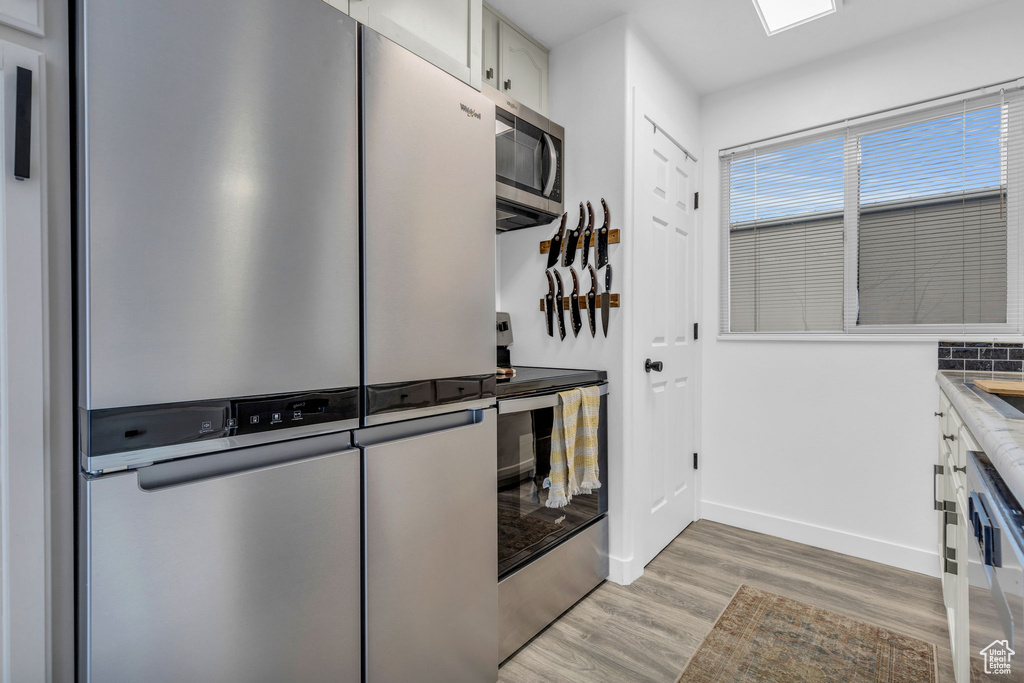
[
  {"x": 831, "y": 443},
  {"x": 587, "y": 86},
  {"x": 592, "y": 80}
]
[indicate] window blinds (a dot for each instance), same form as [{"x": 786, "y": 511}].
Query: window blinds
[{"x": 907, "y": 224}]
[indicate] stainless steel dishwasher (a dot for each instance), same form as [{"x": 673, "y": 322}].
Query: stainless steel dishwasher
[
  {"x": 237, "y": 566},
  {"x": 431, "y": 535}
]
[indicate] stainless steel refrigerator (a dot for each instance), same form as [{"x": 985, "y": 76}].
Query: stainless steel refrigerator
[
  {"x": 430, "y": 440},
  {"x": 284, "y": 399}
]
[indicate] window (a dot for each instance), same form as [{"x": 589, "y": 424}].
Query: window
[{"x": 907, "y": 224}]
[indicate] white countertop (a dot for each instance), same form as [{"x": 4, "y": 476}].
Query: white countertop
[{"x": 1002, "y": 439}]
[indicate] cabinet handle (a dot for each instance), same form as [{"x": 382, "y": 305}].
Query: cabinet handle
[
  {"x": 508, "y": 84},
  {"x": 490, "y": 73},
  {"x": 936, "y": 414},
  {"x": 949, "y": 437},
  {"x": 960, "y": 469},
  {"x": 936, "y": 471}
]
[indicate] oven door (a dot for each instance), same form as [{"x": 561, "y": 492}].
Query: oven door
[
  {"x": 526, "y": 526},
  {"x": 529, "y": 164}
]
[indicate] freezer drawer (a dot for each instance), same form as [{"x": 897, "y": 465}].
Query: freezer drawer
[
  {"x": 431, "y": 560},
  {"x": 429, "y": 214},
  {"x": 196, "y": 571},
  {"x": 218, "y": 200}
]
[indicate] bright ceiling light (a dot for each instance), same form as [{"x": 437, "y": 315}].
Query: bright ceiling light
[{"x": 778, "y": 15}]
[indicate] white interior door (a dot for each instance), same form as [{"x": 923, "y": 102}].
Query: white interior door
[{"x": 664, "y": 284}]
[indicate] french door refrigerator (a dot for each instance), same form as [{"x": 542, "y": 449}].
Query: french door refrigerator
[
  {"x": 286, "y": 365},
  {"x": 219, "y": 341},
  {"x": 430, "y": 434}
]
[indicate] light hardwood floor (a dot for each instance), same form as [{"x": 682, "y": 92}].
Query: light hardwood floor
[{"x": 648, "y": 631}]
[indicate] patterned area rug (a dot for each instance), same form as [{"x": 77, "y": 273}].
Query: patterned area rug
[{"x": 766, "y": 637}]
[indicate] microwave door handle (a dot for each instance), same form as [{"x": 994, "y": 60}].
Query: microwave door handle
[{"x": 549, "y": 185}]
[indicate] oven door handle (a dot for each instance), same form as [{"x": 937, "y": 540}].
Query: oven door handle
[
  {"x": 521, "y": 405},
  {"x": 549, "y": 184}
]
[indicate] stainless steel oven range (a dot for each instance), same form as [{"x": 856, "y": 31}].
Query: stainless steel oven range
[{"x": 548, "y": 558}]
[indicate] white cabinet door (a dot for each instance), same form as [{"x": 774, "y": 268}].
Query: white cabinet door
[
  {"x": 447, "y": 33},
  {"x": 490, "y": 47},
  {"x": 340, "y": 4},
  {"x": 26, "y": 15},
  {"x": 524, "y": 69}
]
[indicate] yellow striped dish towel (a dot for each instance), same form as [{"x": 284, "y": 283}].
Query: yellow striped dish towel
[{"x": 574, "y": 467}]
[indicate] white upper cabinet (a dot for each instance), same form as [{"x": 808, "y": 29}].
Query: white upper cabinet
[
  {"x": 514, "y": 63},
  {"x": 524, "y": 69},
  {"x": 340, "y": 4},
  {"x": 447, "y": 33},
  {"x": 26, "y": 15},
  {"x": 490, "y": 47}
]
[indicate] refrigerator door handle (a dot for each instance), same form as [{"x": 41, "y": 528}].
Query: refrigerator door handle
[
  {"x": 193, "y": 470},
  {"x": 398, "y": 431}
]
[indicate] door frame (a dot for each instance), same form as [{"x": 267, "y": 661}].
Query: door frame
[
  {"x": 25, "y": 643},
  {"x": 628, "y": 566}
]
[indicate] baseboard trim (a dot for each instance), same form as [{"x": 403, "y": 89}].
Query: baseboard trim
[
  {"x": 883, "y": 552},
  {"x": 622, "y": 572}
]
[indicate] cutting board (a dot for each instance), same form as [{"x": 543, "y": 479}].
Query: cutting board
[{"x": 995, "y": 386}]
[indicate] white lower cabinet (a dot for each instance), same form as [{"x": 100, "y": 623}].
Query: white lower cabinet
[{"x": 954, "y": 536}]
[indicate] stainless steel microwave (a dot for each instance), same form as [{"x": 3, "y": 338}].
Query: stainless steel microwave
[{"x": 530, "y": 158}]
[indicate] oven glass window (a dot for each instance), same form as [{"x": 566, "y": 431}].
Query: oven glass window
[{"x": 526, "y": 526}]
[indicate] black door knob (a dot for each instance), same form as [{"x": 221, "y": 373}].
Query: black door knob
[{"x": 656, "y": 366}]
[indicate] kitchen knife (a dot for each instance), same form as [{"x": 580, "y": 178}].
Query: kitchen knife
[
  {"x": 556, "y": 243},
  {"x": 592, "y": 302},
  {"x": 587, "y": 235},
  {"x": 549, "y": 304},
  {"x": 602, "y": 236},
  {"x": 606, "y": 300},
  {"x": 574, "y": 304},
  {"x": 559, "y": 297},
  {"x": 573, "y": 240}
]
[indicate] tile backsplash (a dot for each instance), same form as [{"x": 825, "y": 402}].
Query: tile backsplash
[{"x": 981, "y": 356}]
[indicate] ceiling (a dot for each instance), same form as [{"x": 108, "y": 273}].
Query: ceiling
[{"x": 716, "y": 44}]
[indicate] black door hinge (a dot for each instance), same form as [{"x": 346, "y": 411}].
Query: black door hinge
[
  {"x": 696, "y": 200},
  {"x": 694, "y": 461},
  {"x": 696, "y": 331}
]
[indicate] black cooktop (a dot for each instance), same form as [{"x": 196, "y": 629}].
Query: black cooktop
[{"x": 532, "y": 380}]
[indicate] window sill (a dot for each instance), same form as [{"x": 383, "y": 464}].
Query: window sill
[{"x": 858, "y": 337}]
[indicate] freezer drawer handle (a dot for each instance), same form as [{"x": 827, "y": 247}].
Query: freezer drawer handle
[
  {"x": 227, "y": 463},
  {"x": 411, "y": 429}
]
